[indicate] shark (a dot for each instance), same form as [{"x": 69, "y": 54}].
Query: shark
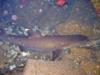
[{"x": 51, "y": 46}]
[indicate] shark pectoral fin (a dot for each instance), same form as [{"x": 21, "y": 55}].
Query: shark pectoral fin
[
  {"x": 57, "y": 54},
  {"x": 60, "y": 53}
]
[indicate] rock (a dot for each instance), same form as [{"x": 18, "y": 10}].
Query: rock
[
  {"x": 96, "y": 4},
  {"x": 3, "y": 59},
  {"x": 81, "y": 58},
  {"x": 39, "y": 67},
  {"x": 79, "y": 53},
  {"x": 74, "y": 27},
  {"x": 90, "y": 68},
  {"x": 98, "y": 56}
]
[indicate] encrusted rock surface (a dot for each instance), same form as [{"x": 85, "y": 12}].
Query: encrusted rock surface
[
  {"x": 40, "y": 67},
  {"x": 74, "y": 27}
]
